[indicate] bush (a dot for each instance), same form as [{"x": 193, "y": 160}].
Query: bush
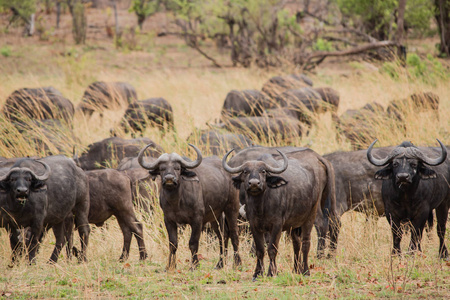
[{"x": 5, "y": 51}]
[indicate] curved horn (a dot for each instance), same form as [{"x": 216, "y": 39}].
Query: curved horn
[
  {"x": 433, "y": 161},
  {"x": 149, "y": 166},
  {"x": 376, "y": 161},
  {"x": 192, "y": 164},
  {"x": 279, "y": 169},
  {"x": 3, "y": 177},
  {"x": 46, "y": 174},
  {"x": 227, "y": 167}
]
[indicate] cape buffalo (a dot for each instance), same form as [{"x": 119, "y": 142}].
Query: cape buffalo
[
  {"x": 287, "y": 202},
  {"x": 38, "y": 103},
  {"x": 304, "y": 103},
  {"x": 110, "y": 195},
  {"x": 413, "y": 185},
  {"x": 219, "y": 141},
  {"x": 195, "y": 193},
  {"x": 330, "y": 96},
  {"x": 419, "y": 102},
  {"x": 265, "y": 128},
  {"x": 44, "y": 201},
  {"x": 144, "y": 189},
  {"x": 245, "y": 103},
  {"x": 106, "y": 95},
  {"x": 154, "y": 111},
  {"x": 279, "y": 84},
  {"x": 102, "y": 153},
  {"x": 357, "y": 124}
]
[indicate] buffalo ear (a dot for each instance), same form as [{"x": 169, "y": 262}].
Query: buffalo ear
[
  {"x": 187, "y": 173},
  {"x": 384, "y": 174},
  {"x": 37, "y": 184},
  {"x": 4, "y": 186},
  {"x": 275, "y": 181},
  {"x": 237, "y": 180},
  {"x": 426, "y": 173},
  {"x": 153, "y": 174}
]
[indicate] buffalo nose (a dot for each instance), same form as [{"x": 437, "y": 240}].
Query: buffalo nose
[
  {"x": 253, "y": 182},
  {"x": 403, "y": 176},
  {"x": 169, "y": 179},
  {"x": 21, "y": 190}
]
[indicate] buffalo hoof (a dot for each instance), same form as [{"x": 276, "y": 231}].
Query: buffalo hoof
[
  {"x": 143, "y": 256},
  {"x": 219, "y": 265},
  {"x": 237, "y": 260}
]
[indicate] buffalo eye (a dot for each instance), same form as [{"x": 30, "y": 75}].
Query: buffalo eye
[
  {"x": 395, "y": 164},
  {"x": 177, "y": 168},
  {"x": 264, "y": 171},
  {"x": 162, "y": 168},
  {"x": 413, "y": 165}
]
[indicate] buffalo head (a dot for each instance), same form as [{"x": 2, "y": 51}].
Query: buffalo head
[
  {"x": 19, "y": 181},
  {"x": 406, "y": 162},
  {"x": 256, "y": 175},
  {"x": 170, "y": 167}
]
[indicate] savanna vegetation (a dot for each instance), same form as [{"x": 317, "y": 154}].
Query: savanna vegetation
[{"x": 193, "y": 53}]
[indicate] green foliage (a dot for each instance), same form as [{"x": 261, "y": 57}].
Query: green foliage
[
  {"x": 25, "y": 7},
  {"x": 378, "y": 17},
  {"x": 428, "y": 70},
  {"x": 323, "y": 45},
  {"x": 5, "y": 51},
  {"x": 143, "y": 9}
]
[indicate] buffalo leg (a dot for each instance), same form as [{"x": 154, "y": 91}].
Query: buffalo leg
[
  {"x": 172, "y": 231},
  {"x": 16, "y": 242},
  {"x": 58, "y": 231},
  {"x": 193, "y": 242},
  {"x": 295, "y": 235},
  {"x": 306, "y": 245},
  {"x": 397, "y": 233},
  {"x": 217, "y": 227},
  {"x": 138, "y": 231},
  {"x": 82, "y": 224},
  {"x": 127, "y": 235},
  {"x": 321, "y": 224},
  {"x": 442, "y": 216},
  {"x": 33, "y": 241},
  {"x": 416, "y": 235},
  {"x": 272, "y": 249},
  {"x": 231, "y": 217},
  {"x": 259, "y": 246},
  {"x": 335, "y": 227},
  {"x": 68, "y": 233}
]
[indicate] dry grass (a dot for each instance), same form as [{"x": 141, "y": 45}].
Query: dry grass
[{"x": 363, "y": 267}]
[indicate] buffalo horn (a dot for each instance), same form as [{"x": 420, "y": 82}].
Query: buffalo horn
[
  {"x": 3, "y": 177},
  {"x": 279, "y": 169},
  {"x": 42, "y": 177},
  {"x": 227, "y": 167},
  {"x": 192, "y": 164},
  {"x": 46, "y": 174},
  {"x": 433, "y": 161},
  {"x": 149, "y": 166},
  {"x": 376, "y": 161}
]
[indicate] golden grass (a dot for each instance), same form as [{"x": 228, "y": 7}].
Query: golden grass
[{"x": 363, "y": 267}]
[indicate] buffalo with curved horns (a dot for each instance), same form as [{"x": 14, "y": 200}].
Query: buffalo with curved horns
[
  {"x": 195, "y": 193},
  {"x": 44, "y": 201},
  {"x": 413, "y": 185},
  {"x": 285, "y": 202}
]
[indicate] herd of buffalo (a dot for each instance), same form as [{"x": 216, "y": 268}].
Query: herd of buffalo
[{"x": 275, "y": 189}]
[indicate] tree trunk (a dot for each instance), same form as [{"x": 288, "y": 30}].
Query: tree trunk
[
  {"x": 442, "y": 15},
  {"x": 116, "y": 17},
  {"x": 29, "y": 28},
  {"x": 401, "y": 50},
  {"x": 58, "y": 13},
  {"x": 79, "y": 21}
]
